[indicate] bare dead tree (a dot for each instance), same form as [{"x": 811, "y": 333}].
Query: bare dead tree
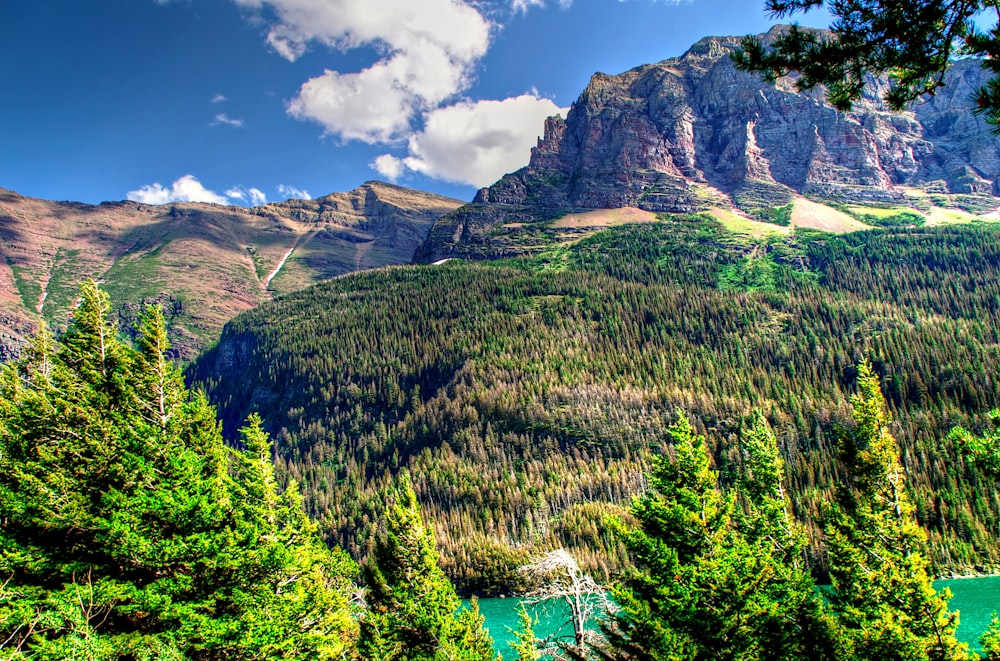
[{"x": 559, "y": 578}]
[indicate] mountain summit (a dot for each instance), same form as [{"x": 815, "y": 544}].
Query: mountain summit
[
  {"x": 202, "y": 262},
  {"x": 693, "y": 133}
]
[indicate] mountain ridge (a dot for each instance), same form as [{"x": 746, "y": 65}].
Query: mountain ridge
[
  {"x": 202, "y": 262},
  {"x": 691, "y": 133}
]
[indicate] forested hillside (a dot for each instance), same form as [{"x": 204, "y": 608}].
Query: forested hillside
[{"x": 526, "y": 396}]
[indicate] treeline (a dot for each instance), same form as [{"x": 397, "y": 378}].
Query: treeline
[
  {"x": 720, "y": 574},
  {"x": 525, "y": 397},
  {"x": 131, "y": 532}
]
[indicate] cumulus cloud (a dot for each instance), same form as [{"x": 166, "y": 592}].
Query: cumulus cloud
[
  {"x": 252, "y": 196},
  {"x": 219, "y": 98},
  {"x": 365, "y": 106},
  {"x": 223, "y": 118},
  {"x": 389, "y": 166},
  {"x": 429, "y": 48},
  {"x": 184, "y": 189},
  {"x": 290, "y": 192},
  {"x": 473, "y": 142}
]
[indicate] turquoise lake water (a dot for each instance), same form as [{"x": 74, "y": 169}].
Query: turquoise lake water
[{"x": 975, "y": 598}]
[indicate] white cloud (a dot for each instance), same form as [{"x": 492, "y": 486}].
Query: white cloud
[
  {"x": 223, "y": 118},
  {"x": 289, "y": 192},
  {"x": 474, "y": 142},
  {"x": 257, "y": 197},
  {"x": 365, "y": 106},
  {"x": 429, "y": 47},
  {"x": 219, "y": 98},
  {"x": 522, "y": 6},
  {"x": 252, "y": 196},
  {"x": 185, "y": 189},
  {"x": 389, "y": 166}
]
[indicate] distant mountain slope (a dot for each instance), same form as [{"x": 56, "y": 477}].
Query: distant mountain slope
[
  {"x": 692, "y": 133},
  {"x": 202, "y": 262},
  {"x": 525, "y": 396}
]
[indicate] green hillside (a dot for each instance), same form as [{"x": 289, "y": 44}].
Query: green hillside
[{"x": 526, "y": 395}]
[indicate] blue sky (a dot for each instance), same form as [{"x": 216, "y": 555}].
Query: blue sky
[{"x": 242, "y": 101}]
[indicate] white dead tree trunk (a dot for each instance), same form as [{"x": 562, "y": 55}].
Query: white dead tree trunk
[{"x": 559, "y": 578}]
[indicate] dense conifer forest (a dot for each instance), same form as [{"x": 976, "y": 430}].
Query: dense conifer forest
[
  {"x": 526, "y": 396},
  {"x": 131, "y": 531}
]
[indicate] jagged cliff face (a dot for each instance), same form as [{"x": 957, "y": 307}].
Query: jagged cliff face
[
  {"x": 202, "y": 262},
  {"x": 693, "y": 132}
]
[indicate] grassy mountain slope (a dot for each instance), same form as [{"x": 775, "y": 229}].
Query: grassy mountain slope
[
  {"x": 526, "y": 395},
  {"x": 203, "y": 262}
]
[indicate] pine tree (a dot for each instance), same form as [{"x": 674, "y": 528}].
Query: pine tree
[
  {"x": 130, "y": 531},
  {"x": 412, "y": 609},
  {"x": 524, "y": 643},
  {"x": 910, "y": 41},
  {"x": 717, "y": 583},
  {"x": 791, "y": 620},
  {"x": 984, "y": 451},
  {"x": 885, "y": 603},
  {"x": 990, "y": 640}
]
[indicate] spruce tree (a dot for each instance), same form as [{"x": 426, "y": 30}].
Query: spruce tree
[
  {"x": 412, "y": 609},
  {"x": 885, "y": 603},
  {"x": 791, "y": 620},
  {"x": 130, "y": 531},
  {"x": 716, "y": 583},
  {"x": 984, "y": 450}
]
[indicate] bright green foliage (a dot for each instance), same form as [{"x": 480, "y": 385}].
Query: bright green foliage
[
  {"x": 991, "y": 640},
  {"x": 413, "y": 611},
  {"x": 715, "y": 584},
  {"x": 130, "y": 531},
  {"x": 524, "y": 642},
  {"x": 885, "y": 603},
  {"x": 912, "y": 41},
  {"x": 983, "y": 450},
  {"x": 798, "y": 627}
]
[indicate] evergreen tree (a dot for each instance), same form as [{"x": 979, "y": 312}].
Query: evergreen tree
[
  {"x": 524, "y": 643},
  {"x": 990, "y": 640},
  {"x": 412, "y": 609},
  {"x": 984, "y": 451},
  {"x": 799, "y": 627},
  {"x": 716, "y": 584},
  {"x": 885, "y": 603},
  {"x": 130, "y": 531}
]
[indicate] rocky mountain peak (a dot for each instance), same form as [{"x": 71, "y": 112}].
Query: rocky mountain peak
[{"x": 692, "y": 132}]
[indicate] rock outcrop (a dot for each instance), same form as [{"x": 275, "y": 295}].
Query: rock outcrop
[{"x": 693, "y": 132}]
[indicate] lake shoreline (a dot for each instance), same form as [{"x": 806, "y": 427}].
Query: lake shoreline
[{"x": 975, "y": 597}]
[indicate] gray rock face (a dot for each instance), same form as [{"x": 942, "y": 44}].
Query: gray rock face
[{"x": 694, "y": 131}]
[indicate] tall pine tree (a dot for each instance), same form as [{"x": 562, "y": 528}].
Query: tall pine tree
[
  {"x": 412, "y": 610},
  {"x": 716, "y": 582},
  {"x": 130, "y": 531},
  {"x": 885, "y": 603}
]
